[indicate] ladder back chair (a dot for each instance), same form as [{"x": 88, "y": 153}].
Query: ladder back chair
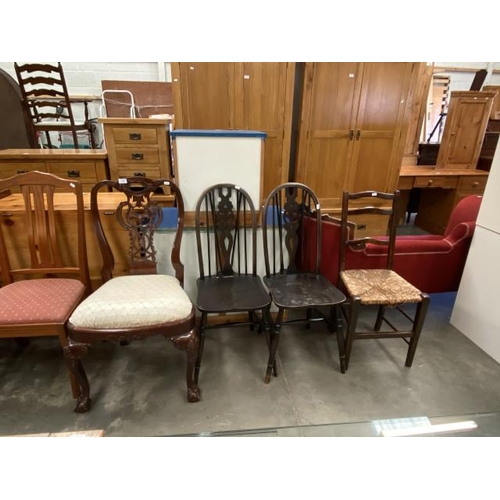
[
  {"x": 383, "y": 287},
  {"x": 292, "y": 254},
  {"x": 143, "y": 302},
  {"x": 226, "y": 238},
  {"x": 40, "y": 284},
  {"x": 47, "y": 104}
]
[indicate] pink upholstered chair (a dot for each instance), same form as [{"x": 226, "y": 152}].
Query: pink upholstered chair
[
  {"x": 39, "y": 288},
  {"x": 431, "y": 263}
]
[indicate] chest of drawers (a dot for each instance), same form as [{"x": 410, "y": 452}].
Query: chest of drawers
[
  {"x": 87, "y": 166},
  {"x": 137, "y": 147}
]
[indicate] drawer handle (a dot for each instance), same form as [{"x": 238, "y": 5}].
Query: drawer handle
[
  {"x": 137, "y": 156},
  {"x": 22, "y": 171},
  {"x": 135, "y": 137},
  {"x": 73, "y": 173},
  {"x": 430, "y": 182},
  {"x": 475, "y": 184},
  {"x": 139, "y": 174}
]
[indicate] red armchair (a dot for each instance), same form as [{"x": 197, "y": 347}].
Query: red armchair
[{"x": 432, "y": 263}]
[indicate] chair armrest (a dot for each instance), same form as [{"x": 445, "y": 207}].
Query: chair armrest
[{"x": 461, "y": 231}]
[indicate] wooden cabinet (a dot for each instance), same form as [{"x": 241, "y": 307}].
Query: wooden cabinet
[
  {"x": 240, "y": 95},
  {"x": 354, "y": 121},
  {"x": 87, "y": 166},
  {"x": 137, "y": 147},
  {"x": 465, "y": 127}
]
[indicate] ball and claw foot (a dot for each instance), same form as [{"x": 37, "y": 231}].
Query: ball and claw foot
[
  {"x": 193, "y": 394},
  {"x": 83, "y": 405}
]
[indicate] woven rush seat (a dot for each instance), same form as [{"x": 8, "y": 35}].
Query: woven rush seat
[{"x": 380, "y": 286}]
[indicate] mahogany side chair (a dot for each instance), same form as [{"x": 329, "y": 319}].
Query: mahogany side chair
[
  {"x": 41, "y": 287},
  {"x": 143, "y": 302}
]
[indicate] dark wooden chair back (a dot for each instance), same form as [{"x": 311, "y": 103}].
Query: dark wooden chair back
[
  {"x": 226, "y": 232},
  {"x": 348, "y": 237},
  {"x": 46, "y": 101},
  {"x": 140, "y": 213},
  {"x": 288, "y": 210},
  {"x": 41, "y": 233}
]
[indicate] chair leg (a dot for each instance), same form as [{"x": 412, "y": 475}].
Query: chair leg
[
  {"x": 266, "y": 314},
  {"x": 351, "y": 328},
  {"x": 75, "y": 386},
  {"x": 308, "y": 318},
  {"x": 201, "y": 344},
  {"x": 275, "y": 334},
  {"x": 420, "y": 314},
  {"x": 251, "y": 320},
  {"x": 73, "y": 353},
  {"x": 336, "y": 325},
  {"x": 189, "y": 342},
  {"x": 380, "y": 317}
]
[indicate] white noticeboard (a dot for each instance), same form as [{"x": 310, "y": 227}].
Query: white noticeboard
[{"x": 207, "y": 157}]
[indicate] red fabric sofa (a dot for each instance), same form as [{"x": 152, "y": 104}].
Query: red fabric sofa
[{"x": 432, "y": 263}]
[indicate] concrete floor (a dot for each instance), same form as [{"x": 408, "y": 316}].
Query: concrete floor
[{"x": 139, "y": 389}]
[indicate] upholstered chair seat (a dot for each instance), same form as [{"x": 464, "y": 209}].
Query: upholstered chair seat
[
  {"x": 115, "y": 304},
  {"x": 39, "y": 301}
]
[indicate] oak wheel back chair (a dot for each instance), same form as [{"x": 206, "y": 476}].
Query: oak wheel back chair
[
  {"x": 226, "y": 238},
  {"x": 292, "y": 254},
  {"x": 377, "y": 287},
  {"x": 40, "y": 284},
  {"x": 46, "y": 102},
  {"x": 142, "y": 303}
]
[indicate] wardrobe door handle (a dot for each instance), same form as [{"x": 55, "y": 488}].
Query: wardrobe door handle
[
  {"x": 358, "y": 134},
  {"x": 351, "y": 134}
]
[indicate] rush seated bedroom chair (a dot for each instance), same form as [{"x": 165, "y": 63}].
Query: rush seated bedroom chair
[
  {"x": 142, "y": 303},
  {"x": 382, "y": 287},
  {"x": 47, "y": 104}
]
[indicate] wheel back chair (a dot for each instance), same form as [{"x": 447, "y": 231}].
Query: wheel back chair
[
  {"x": 226, "y": 237},
  {"x": 290, "y": 236},
  {"x": 41, "y": 286},
  {"x": 142, "y": 303},
  {"x": 46, "y": 102},
  {"x": 377, "y": 287}
]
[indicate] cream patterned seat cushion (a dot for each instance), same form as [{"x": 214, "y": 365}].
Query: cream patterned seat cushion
[
  {"x": 379, "y": 286},
  {"x": 132, "y": 301}
]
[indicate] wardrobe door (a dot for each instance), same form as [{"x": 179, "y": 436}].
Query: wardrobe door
[
  {"x": 329, "y": 108},
  {"x": 378, "y": 137},
  {"x": 263, "y": 101},
  {"x": 204, "y": 95}
]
